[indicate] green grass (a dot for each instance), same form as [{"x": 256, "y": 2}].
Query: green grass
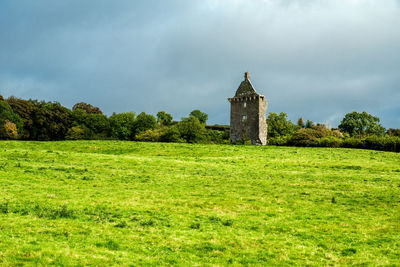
[{"x": 128, "y": 203}]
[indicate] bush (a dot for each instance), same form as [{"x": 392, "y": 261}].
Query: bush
[
  {"x": 330, "y": 141},
  {"x": 192, "y": 130},
  {"x": 8, "y": 130},
  {"x": 152, "y": 135},
  {"x": 353, "y": 142},
  {"x": 279, "y": 141},
  {"x": 172, "y": 135},
  {"x": 79, "y": 133},
  {"x": 218, "y": 137},
  {"x": 386, "y": 143},
  {"x": 306, "y": 137}
]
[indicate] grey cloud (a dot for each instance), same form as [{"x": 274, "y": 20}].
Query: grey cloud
[{"x": 316, "y": 59}]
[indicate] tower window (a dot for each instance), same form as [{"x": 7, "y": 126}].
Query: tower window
[
  {"x": 244, "y": 118},
  {"x": 244, "y": 104}
]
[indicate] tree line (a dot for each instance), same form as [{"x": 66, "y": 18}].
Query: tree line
[
  {"x": 356, "y": 130},
  {"x": 50, "y": 121}
]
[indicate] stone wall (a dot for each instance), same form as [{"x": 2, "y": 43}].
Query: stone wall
[{"x": 248, "y": 119}]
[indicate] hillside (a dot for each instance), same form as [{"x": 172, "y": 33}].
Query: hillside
[{"x": 114, "y": 202}]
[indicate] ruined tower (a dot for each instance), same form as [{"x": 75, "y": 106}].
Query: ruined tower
[{"x": 248, "y": 111}]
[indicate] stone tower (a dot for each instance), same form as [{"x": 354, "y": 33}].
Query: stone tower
[{"x": 248, "y": 111}]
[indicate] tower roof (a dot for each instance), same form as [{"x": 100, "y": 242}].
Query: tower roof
[{"x": 245, "y": 87}]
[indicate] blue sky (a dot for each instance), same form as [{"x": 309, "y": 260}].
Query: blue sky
[{"x": 314, "y": 59}]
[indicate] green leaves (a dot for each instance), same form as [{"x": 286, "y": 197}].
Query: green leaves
[
  {"x": 361, "y": 124},
  {"x": 279, "y": 125}
]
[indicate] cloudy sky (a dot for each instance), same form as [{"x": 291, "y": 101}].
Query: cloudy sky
[{"x": 310, "y": 58}]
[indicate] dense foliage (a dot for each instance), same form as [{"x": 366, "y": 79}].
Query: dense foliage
[
  {"x": 201, "y": 116},
  {"x": 40, "y": 120},
  {"x": 34, "y": 120},
  {"x": 87, "y": 108},
  {"x": 361, "y": 124},
  {"x": 10, "y": 123},
  {"x": 279, "y": 125}
]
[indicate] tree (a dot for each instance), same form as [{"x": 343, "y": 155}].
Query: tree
[
  {"x": 164, "y": 118},
  {"x": 172, "y": 135},
  {"x": 11, "y": 123},
  {"x": 192, "y": 130},
  {"x": 27, "y": 111},
  {"x": 97, "y": 124},
  {"x": 300, "y": 122},
  {"x": 144, "y": 122},
  {"x": 87, "y": 108},
  {"x": 393, "y": 132},
  {"x": 309, "y": 124},
  {"x": 361, "y": 124},
  {"x": 279, "y": 125},
  {"x": 78, "y": 133},
  {"x": 201, "y": 116},
  {"x": 51, "y": 121},
  {"x": 122, "y": 125}
]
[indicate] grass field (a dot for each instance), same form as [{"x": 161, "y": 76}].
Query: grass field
[{"x": 128, "y": 203}]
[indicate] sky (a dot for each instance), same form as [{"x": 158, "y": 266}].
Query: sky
[{"x": 313, "y": 59}]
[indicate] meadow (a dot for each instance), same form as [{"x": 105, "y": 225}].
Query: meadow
[{"x": 133, "y": 203}]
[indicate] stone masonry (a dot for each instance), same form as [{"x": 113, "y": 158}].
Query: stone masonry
[{"x": 248, "y": 109}]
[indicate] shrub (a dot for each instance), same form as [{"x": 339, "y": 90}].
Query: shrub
[
  {"x": 279, "y": 141},
  {"x": 79, "y": 133},
  {"x": 172, "y": 135},
  {"x": 386, "y": 143},
  {"x": 330, "y": 141},
  {"x": 218, "y": 137},
  {"x": 191, "y": 130},
  {"x": 8, "y": 130},
  {"x": 306, "y": 137},
  {"x": 353, "y": 142},
  {"x": 152, "y": 135}
]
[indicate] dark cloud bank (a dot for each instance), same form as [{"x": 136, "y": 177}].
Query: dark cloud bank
[{"x": 315, "y": 59}]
